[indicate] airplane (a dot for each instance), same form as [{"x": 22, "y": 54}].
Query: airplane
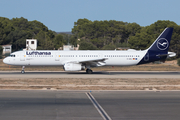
[{"x": 85, "y": 59}]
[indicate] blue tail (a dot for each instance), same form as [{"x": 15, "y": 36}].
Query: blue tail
[
  {"x": 162, "y": 43},
  {"x": 159, "y": 49}
]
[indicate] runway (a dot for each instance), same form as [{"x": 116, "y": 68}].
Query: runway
[
  {"x": 96, "y": 74},
  {"x": 76, "y": 105}
]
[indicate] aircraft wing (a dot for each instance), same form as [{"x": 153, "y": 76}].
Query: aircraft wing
[{"x": 92, "y": 62}]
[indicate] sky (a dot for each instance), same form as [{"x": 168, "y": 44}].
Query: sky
[{"x": 60, "y": 15}]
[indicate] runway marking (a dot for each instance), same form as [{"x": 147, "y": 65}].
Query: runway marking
[{"x": 101, "y": 111}]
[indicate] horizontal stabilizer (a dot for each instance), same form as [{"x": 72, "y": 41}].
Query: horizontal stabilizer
[{"x": 170, "y": 54}]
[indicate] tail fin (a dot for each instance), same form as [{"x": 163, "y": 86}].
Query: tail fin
[
  {"x": 159, "y": 49},
  {"x": 162, "y": 43}
]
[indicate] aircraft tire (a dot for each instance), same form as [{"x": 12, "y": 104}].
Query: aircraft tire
[
  {"x": 89, "y": 71},
  {"x": 22, "y": 71}
]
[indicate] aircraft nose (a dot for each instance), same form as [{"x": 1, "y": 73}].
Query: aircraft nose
[{"x": 5, "y": 61}]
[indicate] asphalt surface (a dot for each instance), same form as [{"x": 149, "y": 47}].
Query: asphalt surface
[
  {"x": 76, "y": 105},
  {"x": 108, "y": 74}
]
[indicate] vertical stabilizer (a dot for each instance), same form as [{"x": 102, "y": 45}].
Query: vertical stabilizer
[
  {"x": 159, "y": 49},
  {"x": 162, "y": 43}
]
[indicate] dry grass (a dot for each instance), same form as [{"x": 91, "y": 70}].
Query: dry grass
[{"x": 91, "y": 84}]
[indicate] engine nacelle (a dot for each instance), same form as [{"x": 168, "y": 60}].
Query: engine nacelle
[{"x": 73, "y": 67}]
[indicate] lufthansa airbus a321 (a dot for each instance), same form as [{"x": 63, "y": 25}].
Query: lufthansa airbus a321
[{"x": 85, "y": 59}]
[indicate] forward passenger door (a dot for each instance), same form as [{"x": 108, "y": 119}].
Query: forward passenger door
[{"x": 22, "y": 56}]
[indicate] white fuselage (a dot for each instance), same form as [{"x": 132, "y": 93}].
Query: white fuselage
[{"x": 58, "y": 58}]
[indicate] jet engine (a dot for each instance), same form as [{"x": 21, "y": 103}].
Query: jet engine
[{"x": 73, "y": 67}]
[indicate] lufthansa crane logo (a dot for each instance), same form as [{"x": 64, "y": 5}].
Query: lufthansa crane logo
[{"x": 162, "y": 44}]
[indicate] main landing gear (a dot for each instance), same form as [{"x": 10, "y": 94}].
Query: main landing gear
[
  {"x": 89, "y": 71},
  {"x": 23, "y": 71}
]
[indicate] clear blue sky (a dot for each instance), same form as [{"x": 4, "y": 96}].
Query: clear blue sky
[{"x": 60, "y": 15}]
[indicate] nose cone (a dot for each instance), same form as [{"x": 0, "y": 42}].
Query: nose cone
[{"x": 5, "y": 61}]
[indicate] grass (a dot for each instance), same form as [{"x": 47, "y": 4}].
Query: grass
[{"x": 90, "y": 84}]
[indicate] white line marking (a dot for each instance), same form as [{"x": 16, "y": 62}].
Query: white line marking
[{"x": 101, "y": 111}]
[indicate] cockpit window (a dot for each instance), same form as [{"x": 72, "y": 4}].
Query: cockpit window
[{"x": 12, "y": 55}]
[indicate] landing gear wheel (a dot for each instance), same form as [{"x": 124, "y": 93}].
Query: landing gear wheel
[
  {"x": 89, "y": 71},
  {"x": 22, "y": 71}
]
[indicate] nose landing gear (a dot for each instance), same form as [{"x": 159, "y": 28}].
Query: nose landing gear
[{"x": 23, "y": 71}]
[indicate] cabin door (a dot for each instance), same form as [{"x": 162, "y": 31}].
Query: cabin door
[{"x": 22, "y": 56}]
